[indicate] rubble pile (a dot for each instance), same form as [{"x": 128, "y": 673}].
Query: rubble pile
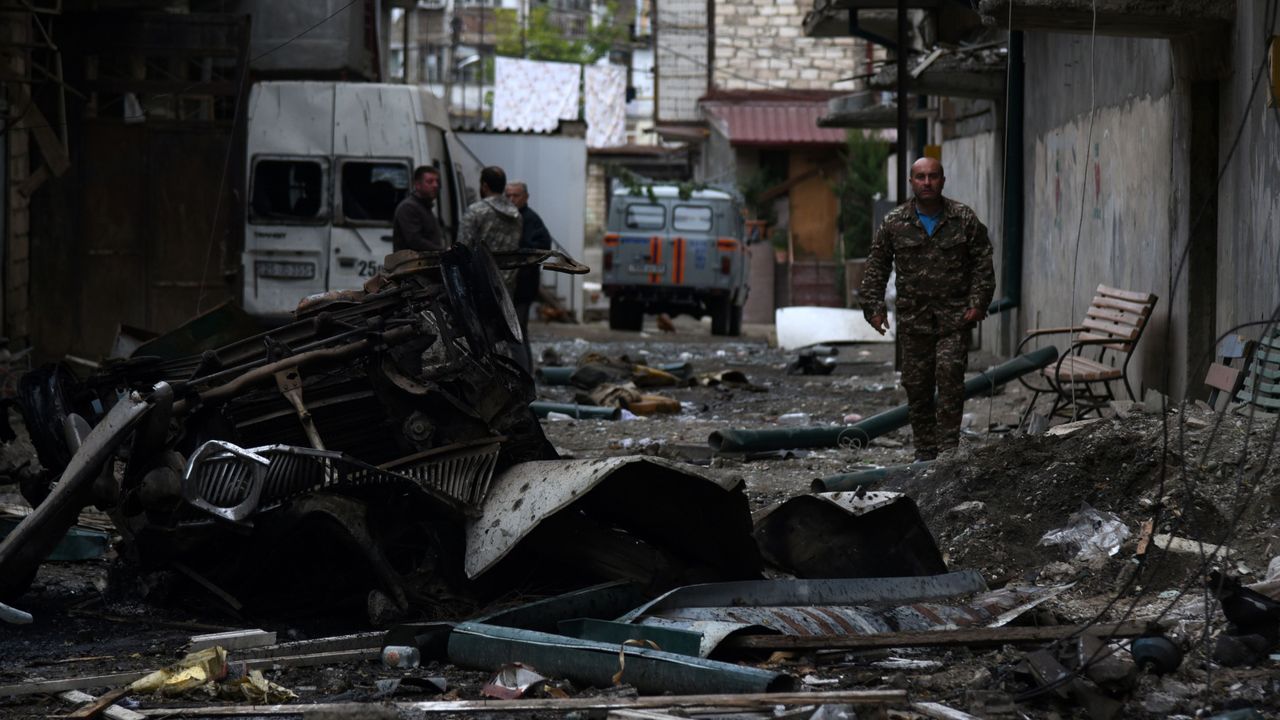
[{"x": 989, "y": 507}]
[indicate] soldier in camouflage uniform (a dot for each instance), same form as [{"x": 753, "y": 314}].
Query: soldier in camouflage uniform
[
  {"x": 492, "y": 221},
  {"x": 945, "y": 283}
]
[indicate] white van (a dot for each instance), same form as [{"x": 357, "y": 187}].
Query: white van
[{"x": 326, "y": 165}]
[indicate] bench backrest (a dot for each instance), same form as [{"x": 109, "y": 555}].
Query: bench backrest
[{"x": 1119, "y": 315}]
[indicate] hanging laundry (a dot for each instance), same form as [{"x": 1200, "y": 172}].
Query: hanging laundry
[
  {"x": 532, "y": 95},
  {"x": 606, "y": 105}
]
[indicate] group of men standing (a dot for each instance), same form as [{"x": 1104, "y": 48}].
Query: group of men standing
[{"x": 501, "y": 220}]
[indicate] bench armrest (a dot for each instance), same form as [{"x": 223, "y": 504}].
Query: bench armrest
[{"x": 1055, "y": 330}]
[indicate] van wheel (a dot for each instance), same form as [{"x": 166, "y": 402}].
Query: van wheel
[
  {"x": 625, "y": 316},
  {"x": 735, "y": 320},
  {"x": 721, "y": 311}
]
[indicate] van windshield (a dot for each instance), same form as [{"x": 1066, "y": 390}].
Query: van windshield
[
  {"x": 691, "y": 218},
  {"x": 288, "y": 190},
  {"x": 646, "y": 217},
  {"x": 371, "y": 190}
]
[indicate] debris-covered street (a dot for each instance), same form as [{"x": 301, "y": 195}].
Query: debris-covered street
[
  {"x": 640, "y": 359},
  {"x": 1129, "y": 563}
]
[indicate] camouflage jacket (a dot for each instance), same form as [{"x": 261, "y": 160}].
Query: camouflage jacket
[
  {"x": 494, "y": 223},
  {"x": 939, "y": 276}
]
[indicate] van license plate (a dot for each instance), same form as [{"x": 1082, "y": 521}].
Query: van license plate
[
  {"x": 295, "y": 270},
  {"x": 650, "y": 268}
]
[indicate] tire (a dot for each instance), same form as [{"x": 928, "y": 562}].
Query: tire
[
  {"x": 721, "y": 311},
  {"x": 625, "y": 316},
  {"x": 735, "y": 320}
]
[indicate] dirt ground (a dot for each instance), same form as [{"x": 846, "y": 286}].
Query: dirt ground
[{"x": 1189, "y": 472}]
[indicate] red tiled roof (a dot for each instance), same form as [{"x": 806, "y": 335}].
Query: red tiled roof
[{"x": 773, "y": 122}]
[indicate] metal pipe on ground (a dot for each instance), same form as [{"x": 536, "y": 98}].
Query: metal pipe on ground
[
  {"x": 597, "y": 664},
  {"x": 854, "y": 480},
  {"x": 577, "y": 412},
  {"x": 861, "y": 433}
]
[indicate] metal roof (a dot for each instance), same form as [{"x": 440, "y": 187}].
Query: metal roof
[{"x": 773, "y": 123}]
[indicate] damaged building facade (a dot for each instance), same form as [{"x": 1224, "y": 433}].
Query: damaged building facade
[{"x": 1133, "y": 148}]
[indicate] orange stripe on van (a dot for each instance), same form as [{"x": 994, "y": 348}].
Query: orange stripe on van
[
  {"x": 677, "y": 261},
  {"x": 612, "y": 239},
  {"x": 727, "y": 244}
]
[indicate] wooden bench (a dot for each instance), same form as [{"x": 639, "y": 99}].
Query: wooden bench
[{"x": 1101, "y": 348}]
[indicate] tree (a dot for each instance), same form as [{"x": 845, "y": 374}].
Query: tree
[
  {"x": 544, "y": 40},
  {"x": 863, "y": 179}
]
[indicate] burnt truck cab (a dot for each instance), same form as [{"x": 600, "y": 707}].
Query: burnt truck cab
[{"x": 664, "y": 253}]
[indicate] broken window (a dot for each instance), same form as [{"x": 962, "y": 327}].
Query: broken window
[
  {"x": 691, "y": 218},
  {"x": 646, "y": 217},
  {"x": 286, "y": 190},
  {"x": 371, "y": 190}
]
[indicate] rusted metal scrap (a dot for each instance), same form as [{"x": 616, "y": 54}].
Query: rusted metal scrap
[{"x": 366, "y": 432}]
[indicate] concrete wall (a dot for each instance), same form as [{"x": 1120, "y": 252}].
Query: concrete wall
[
  {"x": 1105, "y": 204},
  {"x": 1249, "y": 196},
  {"x": 681, "y": 49},
  {"x": 761, "y": 44},
  {"x": 974, "y": 177}
]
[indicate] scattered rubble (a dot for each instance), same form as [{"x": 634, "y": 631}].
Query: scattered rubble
[{"x": 1136, "y": 630}]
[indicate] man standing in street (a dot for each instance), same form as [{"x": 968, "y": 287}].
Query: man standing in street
[
  {"x": 415, "y": 226},
  {"x": 533, "y": 236},
  {"x": 945, "y": 283},
  {"x": 492, "y": 221}
]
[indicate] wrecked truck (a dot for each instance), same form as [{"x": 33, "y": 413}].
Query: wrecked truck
[{"x": 349, "y": 452}]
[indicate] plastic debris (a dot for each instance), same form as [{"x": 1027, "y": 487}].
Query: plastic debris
[
  {"x": 401, "y": 656},
  {"x": 794, "y": 418},
  {"x": 256, "y": 689},
  {"x": 514, "y": 680},
  {"x": 1094, "y": 534},
  {"x": 195, "y": 670}
]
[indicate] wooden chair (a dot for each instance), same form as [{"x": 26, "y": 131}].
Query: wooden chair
[
  {"x": 1223, "y": 376},
  {"x": 1081, "y": 379}
]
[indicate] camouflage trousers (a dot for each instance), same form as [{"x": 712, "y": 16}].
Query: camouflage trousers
[{"x": 934, "y": 362}]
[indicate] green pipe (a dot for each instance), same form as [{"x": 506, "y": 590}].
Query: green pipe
[
  {"x": 578, "y": 412},
  {"x": 850, "y": 481},
  {"x": 589, "y": 663},
  {"x": 861, "y": 433}
]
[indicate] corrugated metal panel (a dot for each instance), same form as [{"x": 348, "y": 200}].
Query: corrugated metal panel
[{"x": 775, "y": 123}]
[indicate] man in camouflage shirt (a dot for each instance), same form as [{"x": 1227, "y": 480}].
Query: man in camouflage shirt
[
  {"x": 945, "y": 283},
  {"x": 492, "y": 221}
]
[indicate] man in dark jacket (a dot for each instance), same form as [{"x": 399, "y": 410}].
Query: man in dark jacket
[
  {"x": 415, "y": 226},
  {"x": 945, "y": 282},
  {"x": 533, "y": 236}
]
